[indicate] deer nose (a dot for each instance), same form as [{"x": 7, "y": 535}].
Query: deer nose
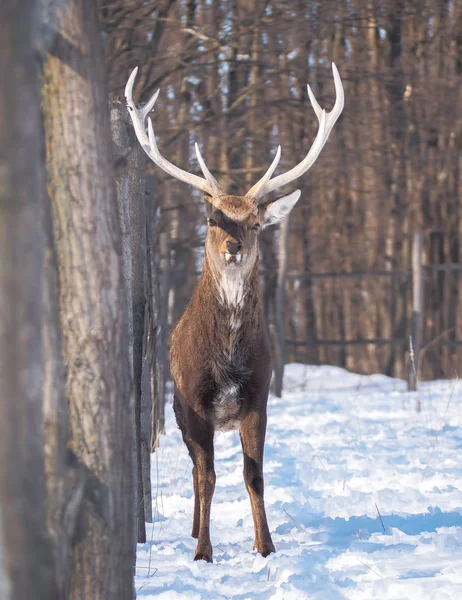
[{"x": 233, "y": 247}]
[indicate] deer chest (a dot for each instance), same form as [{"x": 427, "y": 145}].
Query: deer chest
[
  {"x": 231, "y": 378},
  {"x": 227, "y": 405}
]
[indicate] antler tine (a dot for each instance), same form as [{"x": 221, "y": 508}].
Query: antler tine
[
  {"x": 210, "y": 178},
  {"x": 146, "y": 109},
  {"x": 334, "y": 114},
  {"x": 267, "y": 176},
  {"x": 149, "y": 145},
  {"x": 326, "y": 123}
]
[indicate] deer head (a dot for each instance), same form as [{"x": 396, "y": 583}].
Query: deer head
[{"x": 234, "y": 222}]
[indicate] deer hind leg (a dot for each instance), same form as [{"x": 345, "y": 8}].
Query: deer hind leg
[
  {"x": 196, "y": 518},
  {"x": 199, "y": 440},
  {"x": 253, "y": 429}
]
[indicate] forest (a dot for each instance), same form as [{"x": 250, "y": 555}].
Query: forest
[
  {"x": 100, "y": 250},
  {"x": 233, "y": 77}
]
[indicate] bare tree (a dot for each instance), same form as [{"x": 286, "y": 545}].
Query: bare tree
[
  {"x": 132, "y": 200},
  {"x": 92, "y": 305},
  {"x": 25, "y": 549}
]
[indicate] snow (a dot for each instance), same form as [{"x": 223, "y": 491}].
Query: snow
[{"x": 363, "y": 496}]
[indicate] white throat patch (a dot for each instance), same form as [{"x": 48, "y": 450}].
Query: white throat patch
[{"x": 231, "y": 287}]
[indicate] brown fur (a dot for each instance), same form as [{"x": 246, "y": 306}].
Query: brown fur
[{"x": 220, "y": 362}]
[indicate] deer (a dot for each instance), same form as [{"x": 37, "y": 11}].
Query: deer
[{"x": 220, "y": 357}]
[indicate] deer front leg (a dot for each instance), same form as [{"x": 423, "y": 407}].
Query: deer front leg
[
  {"x": 196, "y": 517},
  {"x": 253, "y": 430},
  {"x": 200, "y": 445}
]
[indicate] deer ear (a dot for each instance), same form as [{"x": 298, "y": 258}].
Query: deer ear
[{"x": 280, "y": 208}]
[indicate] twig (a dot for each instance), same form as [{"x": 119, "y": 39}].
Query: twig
[
  {"x": 156, "y": 512},
  {"x": 415, "y": 371},
  {"x": 320, "y": 462},
  {"x": 412, "y": 357},
  {"x": 380, "y": 517},
  {"x": 432, "y": 343},
  {"x": 370, "y": 569},
  {"x": 296, "y": 522},
  {"x": 441, "y": 429},
  {"x": 141, "y": 587}
]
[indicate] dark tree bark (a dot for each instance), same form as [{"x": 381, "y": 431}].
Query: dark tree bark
[
  {"x": 136, "y": 177},
  {"x": 91, "y": 303},
  {"x": 131, "y": 200},
  {"x": 156, "y": 342},
  {"x": 279, "y": 351},
  {"x": 64, "y": 484},
  {"x": 25, "y": 549}
]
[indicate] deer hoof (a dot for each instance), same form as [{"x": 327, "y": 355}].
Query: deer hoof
[
  {"x": 265, "y": 549},
  {"x": 203, "y": 554}
]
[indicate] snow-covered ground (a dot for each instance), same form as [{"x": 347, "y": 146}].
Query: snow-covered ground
[{"x": 363, "y": 495}]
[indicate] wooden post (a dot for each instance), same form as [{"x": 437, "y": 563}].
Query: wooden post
[{"x": 417, "y": 311}]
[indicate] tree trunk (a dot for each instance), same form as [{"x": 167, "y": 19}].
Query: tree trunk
[
  {"x": 64, "y": 484},
  {"x": 25, "y": 550},
  {"x": 154, "y": 350},
  {"x": 149, "y": 381},
  {"x": 131, "y": 186},
  {"x": 136, "y": 177},
  {"x": 164, "y": 283},
  {"x": 92, "y": 304},
  {"x": 283, "y": 261}
]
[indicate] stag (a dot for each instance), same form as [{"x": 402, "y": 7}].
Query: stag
[{"x": 220, "y": 355}]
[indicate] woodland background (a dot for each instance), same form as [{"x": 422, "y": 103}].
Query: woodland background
[
  {"x": 233, "y": 77},
  {"x": 99, "y": 254}
]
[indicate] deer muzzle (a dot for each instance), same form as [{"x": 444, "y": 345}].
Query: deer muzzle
[{"x": 234, "y": 259}]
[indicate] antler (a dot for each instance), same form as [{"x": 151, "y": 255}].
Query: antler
[
  {"x": 210, "y": 185},
  {"x": 326, "y": 122},
  {"x": 148, "y": 142}
]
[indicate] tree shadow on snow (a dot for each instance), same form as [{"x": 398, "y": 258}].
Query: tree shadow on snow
[{"x": 340, "y": 532}]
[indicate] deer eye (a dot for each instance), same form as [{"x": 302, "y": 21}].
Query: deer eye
[
  {"x": 211, "y": 222},
  {"x": 256, "y": 227}
]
